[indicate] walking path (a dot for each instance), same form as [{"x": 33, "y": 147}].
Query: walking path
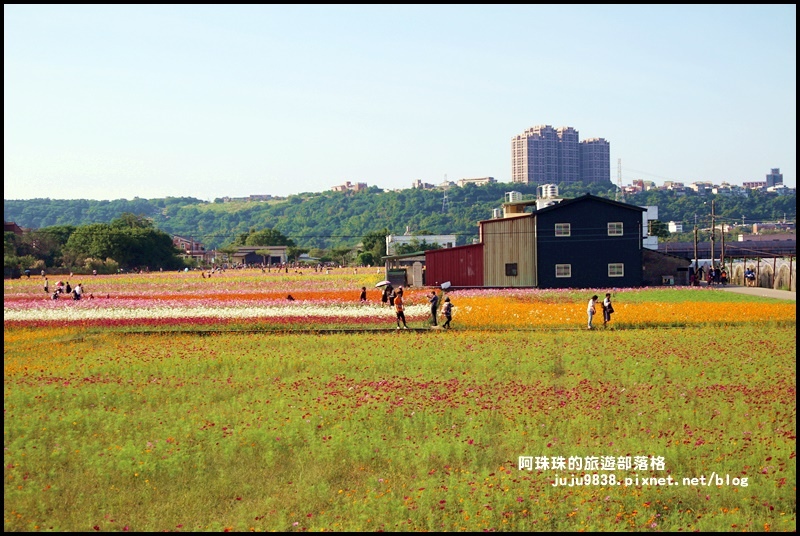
[{"x": 759, "y": 291}]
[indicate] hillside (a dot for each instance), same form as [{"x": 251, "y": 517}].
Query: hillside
[{"x": 333, "y": 219}]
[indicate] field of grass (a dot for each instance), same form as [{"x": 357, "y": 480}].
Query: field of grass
[{"x": 684, "y": 419}]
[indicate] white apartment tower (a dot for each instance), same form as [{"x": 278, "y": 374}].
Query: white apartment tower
[{"x": 544, "y": 155}]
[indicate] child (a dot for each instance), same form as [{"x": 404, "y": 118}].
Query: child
[{"x": 447, "y": 311}]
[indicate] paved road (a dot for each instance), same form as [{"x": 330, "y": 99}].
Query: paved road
[{"x": 763, "y": 292}]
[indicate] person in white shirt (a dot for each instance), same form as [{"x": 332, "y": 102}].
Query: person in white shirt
[{"x": 590, "y": 310}]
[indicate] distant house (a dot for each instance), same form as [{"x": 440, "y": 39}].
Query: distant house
[
  {"x": 258, "y": 255},
  {"x": 419, "y": 185},
  {"x": 675, "y": 226},
  {"x": 480, "y": 181},
  {"x": 11, "y": 227},
  {"x": 393, "y": 241},
  {"x": 585, "y": 242},
  {"x": 192, "y": 249},
  {"x": 350, "y": 187}
]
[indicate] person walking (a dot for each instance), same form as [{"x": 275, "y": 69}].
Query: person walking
[
  {"x": 46, "y": 286},
  {"x": 590, "y": 310},
  {"x": 385, "y": 295},
  {"x": 607, "y": 309},
  {"x": 750, "y": 277},
  {"x": 363, "y": 296},
  {"x": 434, "y": 301},
  {"x": 447, "y": 311},
  {"x": 399, "y": 309}
]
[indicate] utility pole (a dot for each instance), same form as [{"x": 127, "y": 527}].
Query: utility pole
[
  {"x": 713, "y": 233},
  {"x": 695, "y": 254}
]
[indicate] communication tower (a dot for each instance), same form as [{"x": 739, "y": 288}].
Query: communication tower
[
  {"x": 620, "y": 194},
  {"x": 445, "y": 201}
]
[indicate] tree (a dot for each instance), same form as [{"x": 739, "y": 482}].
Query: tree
[
  {"x": 365, "y": 258},
  {"x": 659, "y": 229},
  {"x": 131, "y": 221},
  {"x": 341, "y": 254},
  {"x": 267, "y": 237},
  {"x": 131, "y": 242},
  {"x": 265, "y": 254},
  {"x": 47, "y": 244},
  {"x": 375, "y": 245},
  {"x": 229, "y": 251},
  {"x": 416, "y": 245},
  {"x": 293, "y": 252}
]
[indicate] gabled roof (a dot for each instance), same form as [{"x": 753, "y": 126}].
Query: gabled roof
[
  {"x": 12, "y": 227},
  {"x": 562, "y": 203},
  {"x": 589, "y": 197},
  {"x": 244, "y": 251},
  {"x": 252, "y": 249}
]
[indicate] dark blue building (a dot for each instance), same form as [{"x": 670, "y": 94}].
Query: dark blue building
[
  {"x": 589, "y": 242},
  {"x": 585, "y": 242}
]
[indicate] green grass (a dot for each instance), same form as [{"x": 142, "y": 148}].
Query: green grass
[{"x": 396, "y": 431}]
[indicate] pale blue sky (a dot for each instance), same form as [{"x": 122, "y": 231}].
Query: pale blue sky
[{"x": 124, "y": 101}]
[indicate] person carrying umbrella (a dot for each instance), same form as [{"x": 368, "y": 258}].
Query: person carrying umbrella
[{"x": 388, "y": 290}]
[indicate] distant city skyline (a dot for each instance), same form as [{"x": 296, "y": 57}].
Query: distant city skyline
[{"x": 207, "y": 101}]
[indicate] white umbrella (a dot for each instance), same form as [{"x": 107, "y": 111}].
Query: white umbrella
[{"x": 383, "y": 283}]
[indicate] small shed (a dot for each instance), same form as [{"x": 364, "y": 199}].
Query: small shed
[
  {"x": 407, "y": 270},
  {"x": 461, "y": 266}
]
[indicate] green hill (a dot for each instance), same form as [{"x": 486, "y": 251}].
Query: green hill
[{"x": 336, "y": 219}]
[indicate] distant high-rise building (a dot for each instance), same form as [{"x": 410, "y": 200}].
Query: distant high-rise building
[
  {"x": 595, "y": 161},
  {"x": 775, "y": 178},
  {"x": 544, "y": 155},
  {"x": 569, "y": 155},
  {"x": 534, "y": 156}
]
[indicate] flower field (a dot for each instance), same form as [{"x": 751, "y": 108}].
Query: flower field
[
  {"x": 171, "y": 401},
  {"x": 255, "y": 300}
]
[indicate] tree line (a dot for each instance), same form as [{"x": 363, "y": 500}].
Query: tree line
[{"x": 349, "y": 226}]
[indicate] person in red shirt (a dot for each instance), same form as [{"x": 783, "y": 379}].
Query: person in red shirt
[{"x": 399, "y": 309}]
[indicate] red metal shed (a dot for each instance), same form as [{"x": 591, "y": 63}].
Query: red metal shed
[{"x": 462, "y": 266}]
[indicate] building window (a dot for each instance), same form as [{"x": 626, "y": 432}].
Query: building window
[
  {"x": 615, "y": 228},
  {"x": 563, "y": 229},
  {"x": 563, "y": 270},
  {"x": 511, "y": 269},
  {"x": 616, "y": 269}
]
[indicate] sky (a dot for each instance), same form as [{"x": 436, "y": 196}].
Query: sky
[{"x": 207, "y": 101}]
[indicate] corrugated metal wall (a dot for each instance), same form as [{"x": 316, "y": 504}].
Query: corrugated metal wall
[
  {"x": 509, "y": 241},
  {"x": 462, "y": 266}
]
